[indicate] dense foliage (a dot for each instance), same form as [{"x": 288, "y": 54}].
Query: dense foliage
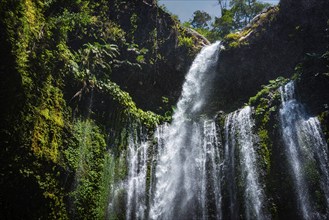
[
  {"x": 234, "y": 15},
  {"x": 65, "y": 66},
  {"x": 76, "y": 77}
]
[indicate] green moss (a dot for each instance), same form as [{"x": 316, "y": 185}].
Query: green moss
[
  {"x": 267, "y": 93},
  {"x": 184, "y": 41},
  {"x": 233, "y": 36},
  {"x": 24, "y": 24},
  {"x": 120, "y": 170},
  {"x": 49, "y": 183},
  {"x": 266, "y": 18},
  {"x": 48, "y": 125},
  {"x": 265, "y": 144},
  {"x": 114, "y": 32},
  {"x": 86, "y": 156},
  {"x": 324, "y": 121},
  {"x": 130, "y": 109},
  {"x": 237, "y": 39},
  {"x": 265, "y": 103},
  {"x": 105, "y": 188},
  {"x": 57, "y": 48}
]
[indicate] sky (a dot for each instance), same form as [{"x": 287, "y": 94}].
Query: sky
[{"x": 185, "y": 8}]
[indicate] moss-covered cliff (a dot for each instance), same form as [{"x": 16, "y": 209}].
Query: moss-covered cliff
[
  {"x": 78, "y": 77},
  {"x": 271, "y": 46},
  {"x": 281, "y": 44},
  {"x": 66, "y": 70}
]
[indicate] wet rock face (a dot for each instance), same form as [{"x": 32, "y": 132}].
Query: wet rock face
[{"x": 271, "y": 47}]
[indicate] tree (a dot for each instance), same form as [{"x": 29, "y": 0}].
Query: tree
[
  {"x": 223, "y": 4},
  {"x": 237, "y": 16},
  {"x": 224, "y": 24},
  {"x": 245, "y": 10},
  {"x": 200, "y": 19}
]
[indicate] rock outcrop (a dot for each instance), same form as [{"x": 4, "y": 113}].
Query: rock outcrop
[{"x": 271, "y": 46}]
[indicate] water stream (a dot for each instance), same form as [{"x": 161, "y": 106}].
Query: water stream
[
  {"x": 239, "y": 137},
  {"x": 136, "y": 184},
  {"x": 181, "y": 186},
  {"x": 305, "y": 145},
  {"x": 200, "y": 168}
]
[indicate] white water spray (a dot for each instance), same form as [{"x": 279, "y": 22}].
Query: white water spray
[
  {"x": 303, "y": 138},
  {"x": 181, "y": 185},
  {"x": 240, "y": 137}
]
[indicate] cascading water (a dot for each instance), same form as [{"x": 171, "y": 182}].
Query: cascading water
[
  {"x": 136, "y": 184},
  {"x": 128, "y": 198},
  {"x": 314, "y": 133},
  {"x": 200, "y": 185},
  {"x": 239, "y": 136},
  {"x": 185, "y": 166},
  {"x": 305, "y": 145},
  {"x": 229, "y": 166},
  {"x": 211, "y": 171},
  {"x": 188, "y": 174}
]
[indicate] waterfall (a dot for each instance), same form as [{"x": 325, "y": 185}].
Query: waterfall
[
  {"x": 229, "y": 166},
  {"x": 191, "y": 172},
  {"x": 185, "y": 165},
  {"x": 196, "y": 169},
  {"x": 198, "y": 192},
  {"x": 239, "y": 137},
  {"x": 305, "y": 145},
  {"x": 128, "y": 196},
  {"x": 315, "y": 137},
  {"x": 212, "y": 163},
  {"x": 136, "y": 183}
]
